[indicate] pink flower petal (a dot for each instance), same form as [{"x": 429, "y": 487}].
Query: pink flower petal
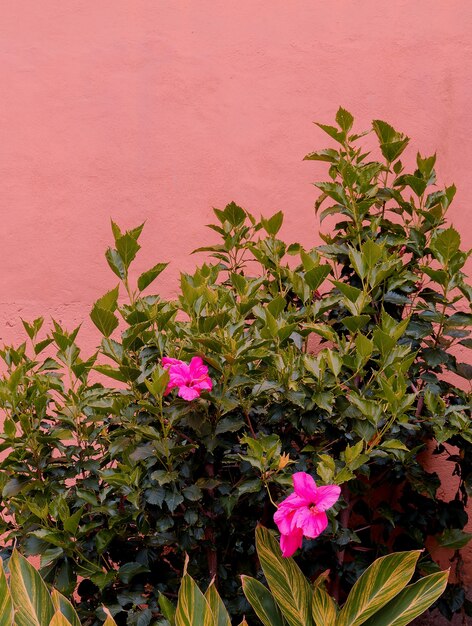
[
  {"x": 310, "y": 522},
  {"x": 188, "y": 393},
  {"x": 197, "y": 367},
  {"x": 290, "y": 543},
  {"x": 203, "y": 385},
  {"x": 326, "y": 496},
  {"x": 304, "y": 486},
  {"x": 284, "y": 520},
  {"x": 167, "y": 361}
]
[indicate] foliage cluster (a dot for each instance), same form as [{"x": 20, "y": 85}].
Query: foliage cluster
[
  {"x": 113, "y": 483},
  {"x": 381, "y": 596}
]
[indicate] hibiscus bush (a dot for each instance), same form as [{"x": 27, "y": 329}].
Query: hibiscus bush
[{"x": 183, "y": 431}]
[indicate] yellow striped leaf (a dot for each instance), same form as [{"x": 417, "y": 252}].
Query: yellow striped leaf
[
  {"x": 63, "y": 605},
  {"x": 31, "y": 599},
  {"x": 192, "y": 606},
  {"x": 286, "y": 581},
  {"x": 109, "y": 620},
  {"x": 59, "y": 619},
  {"x": 262, "y": 601},
  {"x": 217, "y": 607},
  {"x": 323, "y": 608},
  {"x": 6, "y": 603},
  {"x": 410, "y": 602},
  {"x": 381, "y": 582}
]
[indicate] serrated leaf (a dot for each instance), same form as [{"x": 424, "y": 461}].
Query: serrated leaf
[
  {"x": 127, "y": 247},
  {"x": 445, "y": 244},
  {"x": 116, "y": 263},
  {"x": 273, "y": 224},
  {"x": 109, "y": 300},
  {"x": 355, "y": 322},
  {"x": 104, "y": 320},
  {"x": 234, "y": 214},
  {"x": 315, "y": 276},
  {"x": 148, "y": 277},
  {"x": 344, "y": 119}
]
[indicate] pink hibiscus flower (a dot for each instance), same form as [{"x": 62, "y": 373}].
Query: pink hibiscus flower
[
  {"x": 190, "y": 378},
  {"x": 302, "y": 513}
]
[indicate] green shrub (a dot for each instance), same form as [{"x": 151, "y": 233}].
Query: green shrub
[{"x": 113, "y": 484}]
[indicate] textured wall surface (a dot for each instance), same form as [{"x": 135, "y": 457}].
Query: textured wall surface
[{"x": 154, "y": 110}]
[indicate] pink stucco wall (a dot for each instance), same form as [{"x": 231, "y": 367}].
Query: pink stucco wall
[{"x": 156, "y": 110}]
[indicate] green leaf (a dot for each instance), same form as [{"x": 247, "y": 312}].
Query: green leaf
[
  {"x": 109, "y": 300},
  {"x": 288, "y": 585},
  {"x": 129, "y": 570},
  {"x": 31, "y": 599},
  {"x": 116, "y": 263},
  {"x": 333, "y": 132},
  {"x": 323, "y": 608},
  {"x": 14, "y": 486},
  {"x": 352, "y": 293},
  {"x": 104, "y": 320},
  {"x": 147, "y": 278},
  {"x": 262, "y": 601},
  {"x": 273, "y": 224},
  {"x": 344, "y": 119},
  {"x": 411, "y": 602},
  {"x": 355, "y": 322},
  {"x": 167, "y": 608},
  {"x": 59, "y": 619},
  {"x": 315, "y": 276},
  {"x": 6, "y": 602},
  {"x": 127, "y": 247},
  {"x": 454, "y": 538},
  {"x": 445, "y": 244},
  {"x": 234, "y": 214},
  {"x": 364, "y": 346},
  {"x": 329, "y": 155},
  {"x": 192, "y": 606},
  {"x": 72, "y": 523},
  {"x": 381, "y": 582},
  {"x": 217, "y": 607},
  {"x": 63, "y": 605}
]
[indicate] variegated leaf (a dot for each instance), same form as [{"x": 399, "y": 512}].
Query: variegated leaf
[
  {"x": 109, "y": 620},
  {"x": 31, "y": 598},
  {"x": 262, "y": 601},
  {"x": 6, "y": 603},
  {"x": 410, "y": 602},
  {"x": 63, "y": 605},
  {"x": 323, "y": 608},
  {"x": 217, "y": 606},
  {"x": 192, "y": 606},
  {"x": 59, "y": 619},
  {"x": 381, "y": 582},
  {"x": 288, "y": 585}
]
